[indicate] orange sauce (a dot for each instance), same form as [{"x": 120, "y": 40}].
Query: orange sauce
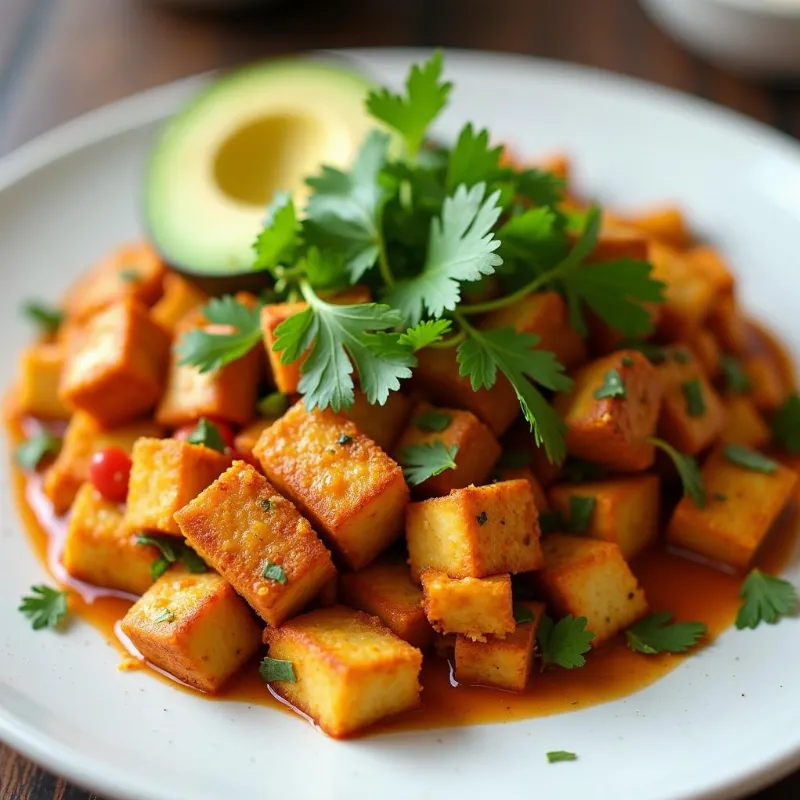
[{"x": 689, "y": 589}]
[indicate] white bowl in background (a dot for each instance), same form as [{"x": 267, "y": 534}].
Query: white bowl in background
[{"x": 756, "y": 37}]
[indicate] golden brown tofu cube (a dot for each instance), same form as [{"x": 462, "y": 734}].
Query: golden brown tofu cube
[
  {"x": 478, "y": 449},
  {"x": 385, "y": 590},
  {"x": 617, "y": 240},
  {"x": 287, "y": 376},
  {"x": 475, "y": 532},
  {"x": 100, "y": 550},
  {"x": 258, "y": 542},
  {"x": 626, "y": 510},
  {"x": 115, "y": 369},
  {"x": 82, "y": 439},
  {"x": 40, "y": 367},
  {"x": 505, "y": 663},
  {"x": 525, "y": 474},
  {"x": 666, "y": 223},
  {"x": 166, "y": 474},
  {"x": 544, "y": 314},
  {"x": 179, "y": 298},
  {"x": 383, "y": 424},
  {"x": 766, "y": 377},
  {"x": 589, "y": 578},
  {"x": 741, "y": 506},
  {"x": 692, "y": 415},
  {"x": 351, "y": 491},
  {"x": 706, "y": 349},
  {"x": 728, "y": 325},
  {"x": 613, "y": 430},
  {"x": 193, "y": 626},
  {"x": 248, "y": 436},
  {"x": 350, "y": 669},
  {"x": 471, "y": 607},
  {"x": 132, "y": 271},
  {"x": 744, "y": 423},
  {"x": 437, "y": 377}
]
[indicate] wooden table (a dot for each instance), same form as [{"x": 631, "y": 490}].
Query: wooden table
[{"x": 60, "y": 58}]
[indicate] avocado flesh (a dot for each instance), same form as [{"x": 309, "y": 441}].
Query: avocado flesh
[{"x": 218, "y": 162}]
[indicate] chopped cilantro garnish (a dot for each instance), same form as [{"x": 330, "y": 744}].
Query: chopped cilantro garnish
[
  {"x": 613, "y": 386},
  {"x": 423, "y": 461},
  {"x": 344, "y": 439},
  {"x": 736, "y": 379},
  {"x": 272, "y": 669},
  {"x": 687, "y": 470},
  {"x": 563, "y": 643},
  {"x": 274, "y": 572},
  {"x": 766, "y": 599},
  {"x": 273, "y": 405},
  {"x": 44, "y": 607},
  {"x": 172, "y": 550},
  {"x": 581, "y": 509},
  {"x": 555, "y": 756},
  {"x": 786, "y": 425},
  {"x": 749, "y": 459},
  {"x": 207, "y": 434},
  {"x": 165, "y": 615},
  {"x": 693, "y": 394},
  {"x": 482, "y": 518},
  {"x": 658, "y": 634}
]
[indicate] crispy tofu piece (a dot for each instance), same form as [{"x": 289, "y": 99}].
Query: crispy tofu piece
[
  {"x": 227, "y": 393},
  {"x": 114, "y": 370},
  {"x": 728, "y": 325},
  {"x": 385, "y": 590},
  {"x": 383, "y": 424},
  {"x": 100, "y": 550},
  {"x": 132, "y": 271},
  {"x": 351, "y": 670},
  {"x": 478, "y": 449},
  {"x": 665, "y": 223},
  {"x": 351, "y": 491},
  {"x": 544, "y": 314},
  {"x": 287, "y": 376},
  {"x": 766, "y": 376},
  {"x": 180, "y": 297},
  {"x": 741, "y": 507},
  {"x": 241, "y": 525},
  {"x": 589, "y": 578},
  {"x": 82, "y": 439},
  {"x": 613, "y": 431},
  {"x": 475, "y": 532},
  {"x": 437, "y": 377},
  {"x": 40, "y": 367},
  {"x": 505, "y": 663},
  {"x": 193, "y": 626},
  {"x": 248, "y": 436},
  {"x": 470, "y": 607},
  {"x": 683, "y": 423},
  {"x": 617, "y": 240},
  {"x": 525, "y": 474},
  {"x": 744, "y": 423},
  {"x": 626, "y": 510},
  {"x": 166, "y": 474},
  {"x": 706, "y": 349},
  {"x": 709, "y": 263}
]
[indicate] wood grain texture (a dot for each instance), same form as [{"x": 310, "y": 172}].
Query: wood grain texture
[{"x": 60, "y": 58}]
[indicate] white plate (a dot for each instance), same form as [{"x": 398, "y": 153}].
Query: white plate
[{"x": 723, "y": 724}]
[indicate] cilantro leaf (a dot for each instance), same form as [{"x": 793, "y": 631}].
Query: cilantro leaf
[
  {"x": 433, "y": 421},
  {"x": 613, "y": 386},
  {"x": 654, "y": 634},
  {"x": 425, "y": 333},
  {"x": 46, "y": 317},
  {"x": 410, "y": 115},
  {"x": 736, "y": 379},
  {"x": 766, "y": 599},
  {"x": 165, "y": 615},
  {"x": 522, "y": 614},
  {"x": 423, "y": 461},
  {"x": 786, "y": 425},
  {"x": 531, "y": 235},
  {"x": 541, "y": 187},
  {"x": 272, "y": 669},
  {"x": 555, "y": 756},
  {"x": 274, "y": 404},
  {"x": 749, "y": 459},
  {"x": 484, "y": 352},
  {"x": 274, "y": 572},
  {"x": 44, "y": 607},
  {"x": 687, "y": 469},
  {"x": 693, "y": 394},
  {"x": 30, "y": 453},
  {"x": 278, "y": 241},
  {"x": 172, "y": 550},
  {"x": 207, "y": 434},
  {"x": 208, "y": 350},
  {"x": 460, "y": 248},
  {"x": 471, "y": 159},
  {"x": 581, "y": 510},
  {"x": 563, "y": 643}
]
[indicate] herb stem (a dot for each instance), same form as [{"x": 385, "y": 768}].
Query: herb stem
[
  {"x": 452, "y": 341},
  {"x": 501, "y": 302},
  {"x": 383, "y": 266}
]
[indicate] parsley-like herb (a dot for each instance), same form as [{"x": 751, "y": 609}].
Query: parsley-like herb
[
  {"x": 687, "y": 470},
  {"x": 272, "y": 669},
  {"x": 472, "y": 160},
  {"x": 766, "y": 598},
  {"x": 165, "y": 615},
  {"x": 522, "y": 614},
  {"x": 265, "y": 503},
  {"x": 425, "y": 333},
  {"x": 581, "y": 509},
  {"x": 423, "y": 461},
  {"x": 30, "y": 453},
  {"x": 613, "y": 386},
  {"x": 482, "y": 518},
  {"x": 274, "y": 572},
  {"x": 433, "y": 421},
  {"x": 658, "y": 634},
  {"x": 786, "y": 425},
  {"x": 344, "y": 439},
  {"x": 749, "y": 459},
  {"x": 44, "y": 607},
  {"x": 736, "y": 379},
  {"x": 693, "y": 394},
  {"x": 563, "y": 643},
  {"x": 207, "y": 434},
  {"x": 130, "y": 275},
  {"x": 555, "y": 756},
  {"x": 46, "y": 317},
  {"x": 273, "y": 405},
  {"x": 278, "y": 241},
  {"x": 172, "y": 550}
]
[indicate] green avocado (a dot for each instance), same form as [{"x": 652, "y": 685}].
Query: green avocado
[{"x": 218, "y": 162}]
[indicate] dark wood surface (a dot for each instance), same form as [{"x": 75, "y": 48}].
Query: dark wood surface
[{"x": 60, "y": 58}]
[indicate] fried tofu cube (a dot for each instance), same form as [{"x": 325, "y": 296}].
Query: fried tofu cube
[
  {"x": 471, "y": 607},
  {"x": 525, "y": 474},
  {"x": 248, "y": 436},
  {"x": 350, "y": 669},
  {"x": 385, "y": 590},
  {"x": 766, "y": 377},
  {"x": 475, "y": 532},
  {"x": 617, "y": 240},
  {"x": 706, "y": 349},
  {"x": 692, "y": 414},
  {"x": 437, "y": 377},
  {"x": 478, "y": 449},
  {"x": 741, "y": 506},
  {"x": 626, "y": 510},
  {"x": 505, "y": 663},
  {"x": 665, "y": 223},
  {"x": 351, "y": 491},
  {"x": 82, "y": 439},
  {"x": 132, "y": 271},
  {"x": 544, "y": 314},
  {"x": 243, "y": 527},
  {"x": 613, "y": 431},
  {"x": 193, "y": 626},
  {"x": 180, "y": 297},
  {"x": 728, "y": 325},
  {"x": 383, "y": 424},
  {"x": 40, "y": 372},
  {"x": 744, "y": 423},
  {"x": 115, "y": 369},
  {"x": 287, "y": 376},
  {"x": 165, "y": 475},
  {"x": 589, "y": 578},
  {"x": 100, "y": 550}
]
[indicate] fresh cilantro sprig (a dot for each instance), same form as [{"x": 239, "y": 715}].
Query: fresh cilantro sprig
[
  {"x": 766, "y": 598},
  {"x": 563, "y": 643},
  {"x": 688, "y": 471},
  {"x": 44, "y": 607},
  {"x": 207, "y": 434},
  {"x": 658, "y": 634},
  {"x": 172, "y": 551},
  {"x": 278, "y": 241},
  {"x": 423, "y": 461}
]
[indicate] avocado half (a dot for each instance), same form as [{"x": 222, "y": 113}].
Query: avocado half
[{"x": 218, "y": 161}]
